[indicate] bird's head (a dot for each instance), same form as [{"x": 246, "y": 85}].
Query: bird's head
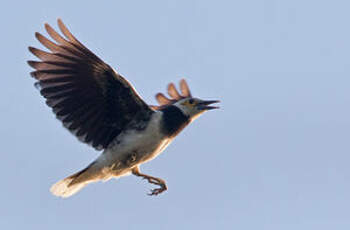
[
  {"x": 194, "y": 107},
  {"x": 190, "y": 106}
]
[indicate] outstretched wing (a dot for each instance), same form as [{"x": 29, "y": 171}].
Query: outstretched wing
[
  {"x": 175, "y": 96},
  {"x": 92, "y": 100}
]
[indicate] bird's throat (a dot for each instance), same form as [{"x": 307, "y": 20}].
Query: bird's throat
[{"x": 173, "y": 121}]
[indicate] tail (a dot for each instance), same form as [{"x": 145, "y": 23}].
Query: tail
[{"x": 74, "y": 183}]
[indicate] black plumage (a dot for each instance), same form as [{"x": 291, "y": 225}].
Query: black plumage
[
  {"x": 174, "y": 120},
  {"x": 92, "y": 100}
]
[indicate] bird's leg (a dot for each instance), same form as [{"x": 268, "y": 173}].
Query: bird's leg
[{"x": 152, "y": 180}]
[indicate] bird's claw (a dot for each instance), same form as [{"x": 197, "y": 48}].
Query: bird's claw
[
  {"x": 158, "y": 182},
  {"x": 152, "y": 180},
  {"x": 157, "y": 191}
]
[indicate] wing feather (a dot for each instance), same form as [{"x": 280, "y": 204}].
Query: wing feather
[
  {"x": 92, "y": 100},
  {"x": 185, "y": 90},
  {"x": 172, "y": 91},
  {"x": 163, "y": 101}
]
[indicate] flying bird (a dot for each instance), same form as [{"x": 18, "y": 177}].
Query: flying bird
[{"x": 102, "y": 109}]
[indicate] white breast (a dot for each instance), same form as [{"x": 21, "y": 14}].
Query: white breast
[{"x": 147, "y": 143}]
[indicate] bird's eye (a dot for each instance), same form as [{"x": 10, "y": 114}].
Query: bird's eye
[{"x": 191, "y": 101}]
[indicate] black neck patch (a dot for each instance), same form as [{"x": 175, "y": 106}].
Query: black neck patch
[{"x": 174, "y": 120}]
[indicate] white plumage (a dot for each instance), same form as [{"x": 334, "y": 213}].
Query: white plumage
[{"x": 146, "y": 144}]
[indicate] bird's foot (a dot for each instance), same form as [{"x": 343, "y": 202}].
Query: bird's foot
[
  {"x": 151, "y": 180},
  {"x": 156, "y": 181},
  {"x": 156, "y": 191}
]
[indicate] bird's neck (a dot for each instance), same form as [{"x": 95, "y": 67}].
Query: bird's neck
[{"x": 174, "y": 120}]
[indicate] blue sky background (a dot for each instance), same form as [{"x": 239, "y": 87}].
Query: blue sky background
[{"x": 276, "y": 156}]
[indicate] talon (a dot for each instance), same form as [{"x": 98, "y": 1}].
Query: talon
[
  {"x": 157, "y": 191},
  {"x": 152, "y": 180}
]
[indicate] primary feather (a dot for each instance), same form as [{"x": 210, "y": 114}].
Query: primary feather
[{"x": 92, "y": 100}]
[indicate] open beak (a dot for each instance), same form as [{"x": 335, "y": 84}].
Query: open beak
[{"x": 205, "y": 105}]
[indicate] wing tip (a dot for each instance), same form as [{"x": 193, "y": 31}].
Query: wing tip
[
  {"x": 37, "y": 35},
  {"x": 59, "y": 21},
  {"x": 185, "y": 89},
  {"x": 31, "y": 49},
  {"x": 34, "y": 74},
  {"x": 31, "y": 63},
  {"x": 41, "y": 38},
  {"x": 48, "y": 28},
  {"x": 37, "y": 85}
]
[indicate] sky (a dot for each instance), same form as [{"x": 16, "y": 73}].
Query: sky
[{"x": 275, "y": 156}]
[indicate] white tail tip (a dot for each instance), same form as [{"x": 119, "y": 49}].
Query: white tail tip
[{"x": 62, "y": 188}]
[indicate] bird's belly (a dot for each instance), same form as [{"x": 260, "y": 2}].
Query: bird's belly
[
  {"x": 134, "y": 147},
  {"x": 150, "y": 148},
  {"x": 137, "y": 147}
]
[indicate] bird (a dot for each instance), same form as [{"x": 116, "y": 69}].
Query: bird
[{"x": 102, "y": 109}]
